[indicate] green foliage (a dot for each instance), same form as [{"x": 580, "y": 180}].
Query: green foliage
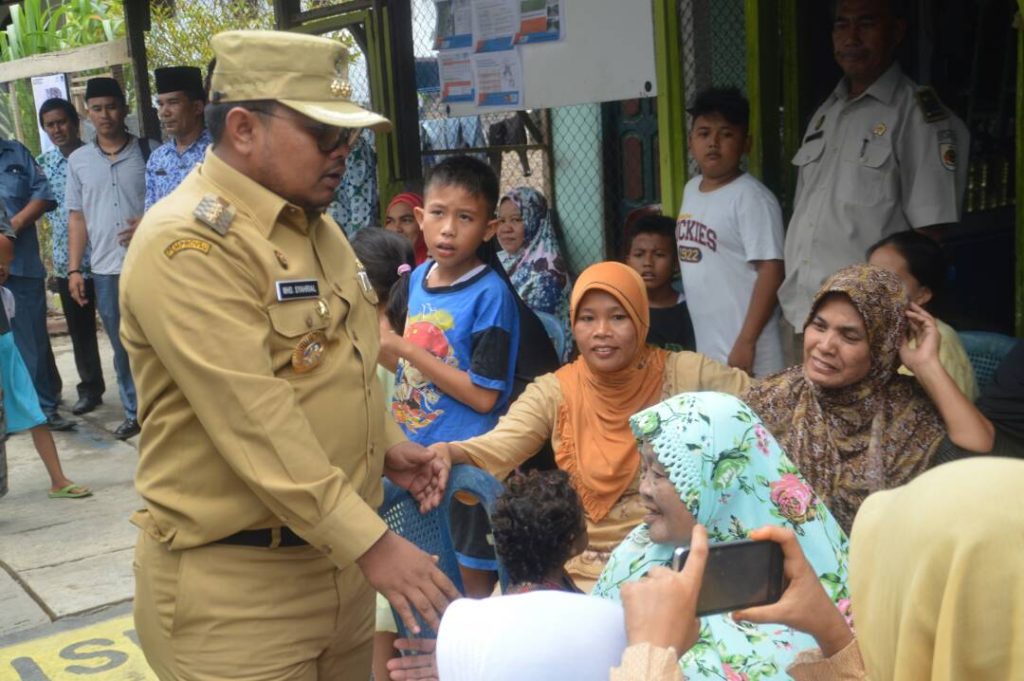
[
  {"x": 181, "y": 37},
  {"x": 36, "y": 27}
]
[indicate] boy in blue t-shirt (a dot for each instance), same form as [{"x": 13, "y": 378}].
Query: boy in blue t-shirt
[
  {"x": 457, "y": 358},
  {"x": 458, "y": 353}
]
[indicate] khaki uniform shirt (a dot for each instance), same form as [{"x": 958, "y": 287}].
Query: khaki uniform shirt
[
  {"x": 868, "y": 168},
  {"x": 233, "y": 437}
]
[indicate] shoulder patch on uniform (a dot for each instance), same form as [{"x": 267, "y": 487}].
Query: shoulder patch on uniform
[
  {"x": 931, "y": 106},
  {"x": 187, "y": 245},
  {"x": 215, "y": 213},
  {"x": 947, "y": 149}
]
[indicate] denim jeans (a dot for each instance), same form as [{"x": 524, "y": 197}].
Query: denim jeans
[
  {"x": 32, "y": 339},
  {"x": 108, "y": 304}
]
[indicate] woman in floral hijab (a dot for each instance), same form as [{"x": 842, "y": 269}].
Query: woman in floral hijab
[
  {"x": 729, "y": 475},
  {"x": 532, "y": 258}
]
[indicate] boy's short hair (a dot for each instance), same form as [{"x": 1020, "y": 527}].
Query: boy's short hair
[
  {"x": 727, "y": 102},
  {"x": 661, "y": 225},
  {"x": 471, "y": 174},
  {"x": 535, "y": 523}
]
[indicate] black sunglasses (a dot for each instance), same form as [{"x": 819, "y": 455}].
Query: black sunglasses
[{"x": 328, "y": 137}]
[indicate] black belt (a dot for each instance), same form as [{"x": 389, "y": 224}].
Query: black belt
[{"x": 263, "y": 538}]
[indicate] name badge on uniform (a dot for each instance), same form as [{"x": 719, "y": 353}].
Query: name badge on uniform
[{"x": 297, "y": 289}]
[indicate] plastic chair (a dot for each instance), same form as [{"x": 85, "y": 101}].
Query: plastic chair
[
  {"x": 555, "y": 331},
  {"x": 986, "y": 351},
  {"x": 431, "y": 531}
]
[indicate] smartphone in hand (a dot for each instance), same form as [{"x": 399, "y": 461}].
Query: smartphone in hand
[{"x": 738, "y": 574}]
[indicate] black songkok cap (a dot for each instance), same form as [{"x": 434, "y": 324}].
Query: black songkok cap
[
  {"x": 179, "y": 78},
  {"x": 103, "y": 87}
]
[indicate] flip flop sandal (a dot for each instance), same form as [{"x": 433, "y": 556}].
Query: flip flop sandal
[{"x": 72, "y": 491}]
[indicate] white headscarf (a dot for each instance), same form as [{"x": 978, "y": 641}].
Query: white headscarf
[{"x": 541, "y": 636}]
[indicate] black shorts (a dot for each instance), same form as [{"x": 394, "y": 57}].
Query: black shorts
[{"x": 472, "y": 537}]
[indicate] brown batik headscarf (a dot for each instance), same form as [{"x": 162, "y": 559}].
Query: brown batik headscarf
[{"x": 875, "y": 434}]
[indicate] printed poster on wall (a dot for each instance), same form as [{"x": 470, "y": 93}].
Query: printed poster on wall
[
  {"x": 539, "y": 21},
  {"x": 495, "y": 24},
  {"x": 454, "y": 27},
  {"x": 455, "y": 69},
  {"x": 499, "y": 78},
  {"x": 44, "y": 88}
]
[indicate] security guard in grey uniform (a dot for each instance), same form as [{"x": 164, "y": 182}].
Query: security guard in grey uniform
[
  {"x": 252, "y": 332},
  {"x": 881, "y": 155}
]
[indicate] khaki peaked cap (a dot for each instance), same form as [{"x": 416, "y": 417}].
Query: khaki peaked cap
[{"x": 306, "y": 73}]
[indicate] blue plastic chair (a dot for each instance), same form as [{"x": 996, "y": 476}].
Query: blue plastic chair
[
  {"x": 431, "y": 531},
  {"x": 555, "y": 331},
  {"x": 986, "y": 351}
]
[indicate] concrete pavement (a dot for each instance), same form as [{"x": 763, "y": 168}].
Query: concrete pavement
[{"x": 66, "y": 564}]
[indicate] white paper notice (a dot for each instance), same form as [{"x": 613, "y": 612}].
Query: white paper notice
[
  {"x": 44, "y": 88},
  {"x": 454, "y": 29},
  {"x": 540, "y": 21},
  {"x": 499, "y": 78},
  {"x": 495, "y": 24},
  {"x": 456, "y": 71}
]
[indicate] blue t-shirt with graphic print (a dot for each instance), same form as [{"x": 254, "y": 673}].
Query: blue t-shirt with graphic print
[{"x": 472, "y": 326}]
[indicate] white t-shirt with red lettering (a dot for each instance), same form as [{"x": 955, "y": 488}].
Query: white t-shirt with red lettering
[{"x": 718, "y": 234}]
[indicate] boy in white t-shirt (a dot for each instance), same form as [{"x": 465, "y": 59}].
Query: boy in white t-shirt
[{"x": 730, "y": 241}]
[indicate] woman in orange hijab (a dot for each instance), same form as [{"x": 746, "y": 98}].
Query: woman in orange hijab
[
  {"x": 584, "y": 408},
  {"x": 400, "y": 219}
]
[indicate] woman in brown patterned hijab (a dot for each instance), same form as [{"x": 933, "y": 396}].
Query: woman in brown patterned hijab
[{"x": 845, "y": 417}]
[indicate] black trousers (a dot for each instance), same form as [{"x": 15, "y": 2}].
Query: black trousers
[{"x": 82, "y": 329}]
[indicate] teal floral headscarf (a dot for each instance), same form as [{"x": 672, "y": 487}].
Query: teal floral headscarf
[{"x": 733, "y": 477}]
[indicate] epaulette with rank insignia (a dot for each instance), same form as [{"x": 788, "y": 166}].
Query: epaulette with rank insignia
[
  {"x": 931, "y": 106},
  {"x": 215, "y": 213}
]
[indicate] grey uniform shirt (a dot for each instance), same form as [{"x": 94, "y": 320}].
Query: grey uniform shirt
[
  {"x": 107, "y": 193},
  {"x": 868, "y": 167}
]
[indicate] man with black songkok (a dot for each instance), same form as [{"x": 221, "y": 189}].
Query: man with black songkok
[{"x": 180, "y": 101}]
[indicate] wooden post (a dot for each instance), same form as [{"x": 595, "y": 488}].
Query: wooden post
[
  {"x": 137, "y": 19},
  {"x": 402, "y": 83},
  {"x": 1019, "y": 188}
]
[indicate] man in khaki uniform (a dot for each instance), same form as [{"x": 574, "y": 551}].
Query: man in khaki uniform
[
  {"x": 252, "y": 334},
  {"x": 880, "y": 156}
]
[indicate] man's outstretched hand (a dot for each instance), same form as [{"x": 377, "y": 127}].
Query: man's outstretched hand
[
  {"x": 421, "y": 471},
  {"x": 409, "y": 579}
]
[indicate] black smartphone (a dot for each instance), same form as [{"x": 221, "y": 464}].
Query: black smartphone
[{"x": 738, "y": 574}]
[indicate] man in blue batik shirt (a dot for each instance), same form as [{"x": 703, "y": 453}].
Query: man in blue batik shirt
[
  {"x": 180, "y": 103},
  {"x": 26, "y": 195},
  {"x": 60, "y": 121}
]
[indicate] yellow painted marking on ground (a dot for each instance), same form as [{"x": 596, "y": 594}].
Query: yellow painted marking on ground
[{"x": 104, "y": 651}]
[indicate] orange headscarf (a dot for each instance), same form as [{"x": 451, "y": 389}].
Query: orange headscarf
[{"x": 597, "y": 448}]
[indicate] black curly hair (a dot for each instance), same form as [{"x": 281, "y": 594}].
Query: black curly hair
[{"x": 536, "y": 521}]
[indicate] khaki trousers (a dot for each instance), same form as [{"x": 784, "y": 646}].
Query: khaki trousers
[{"x": 233, "y": 612}]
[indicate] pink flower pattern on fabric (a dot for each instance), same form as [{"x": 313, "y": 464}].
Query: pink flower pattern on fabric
[
  {"x": 732, "y": 675},
  {"x": 794, "y": 498},
  {"x": 762, "y": 439}
]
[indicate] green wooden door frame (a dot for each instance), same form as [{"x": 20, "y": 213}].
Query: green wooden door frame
[
  {"x": 671, "y": 108},
  {"x": 762, "y": 19}
]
